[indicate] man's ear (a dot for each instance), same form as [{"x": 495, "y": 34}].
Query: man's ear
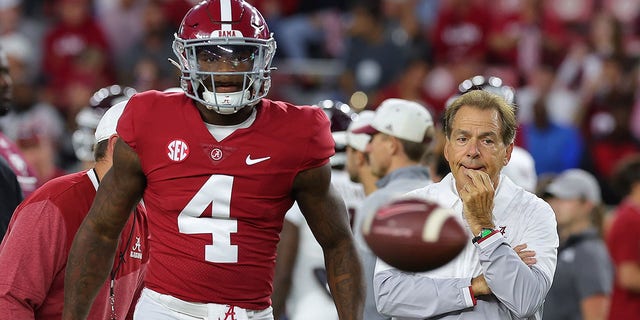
[
  {"x": 507, "y": 156},
  {"x": 112, "y": 143},
  {"x": 362, "y": 159},
  {"x": 445, "y": 149}
]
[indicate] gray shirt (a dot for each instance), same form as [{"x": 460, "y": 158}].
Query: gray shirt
[
  {"x": 584, "y": 269},
  {"x": 394, "y": 184}
]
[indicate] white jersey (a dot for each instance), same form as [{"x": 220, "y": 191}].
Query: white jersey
[{"x": 308, "y": 298}]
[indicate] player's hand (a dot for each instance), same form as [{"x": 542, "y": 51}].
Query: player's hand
[
  {"x": 527, "y": 256},
  {"x": 477, "y": 200},
  {"x": 479, "y": 286}
]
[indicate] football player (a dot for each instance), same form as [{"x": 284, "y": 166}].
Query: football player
[
  {"x": 300, "y": 285},
  {"x": 218, "y": 166},
  {"x": 17, "y": 177}
]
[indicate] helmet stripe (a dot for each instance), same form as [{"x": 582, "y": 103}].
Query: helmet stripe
[{"x": 225, "y": 14}]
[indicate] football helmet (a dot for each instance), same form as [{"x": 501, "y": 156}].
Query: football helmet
[
  {"x": 491, "y": 84},
  {"x": 229, "y": 31},
  {"x": 83, "y": 138},
  {"x": 341, "y": 115}
]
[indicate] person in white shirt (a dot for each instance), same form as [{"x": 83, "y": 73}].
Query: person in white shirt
[
  {"x": 508, "y": 265},
  {"x": 300, "y": 285}
]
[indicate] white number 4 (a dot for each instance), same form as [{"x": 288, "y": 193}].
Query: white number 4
[{"x": 217, "y": 192}]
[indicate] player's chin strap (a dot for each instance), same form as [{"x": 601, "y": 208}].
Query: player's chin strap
[{"x": 224, "y": 103}]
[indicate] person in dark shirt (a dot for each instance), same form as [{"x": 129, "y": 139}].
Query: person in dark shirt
[{"x": 10, "y": 195}]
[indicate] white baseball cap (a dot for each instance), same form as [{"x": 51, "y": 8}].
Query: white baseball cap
[
  {"x": 359, "y": 141},
  {"x": 109, "y": 121},
  {"x": 400, "y": 118},
  {"x": 521, "y": 169},
  {"x": 575, "y": 184}
]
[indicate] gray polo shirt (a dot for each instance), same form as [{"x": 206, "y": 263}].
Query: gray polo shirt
[
  {"x": 394, "y": 184},
  {"x": 584, "y": 269}
]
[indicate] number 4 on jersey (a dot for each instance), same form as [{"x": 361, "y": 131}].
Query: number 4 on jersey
[{"x": 217, "y": 193}]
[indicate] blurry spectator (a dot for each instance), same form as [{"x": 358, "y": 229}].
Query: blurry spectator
[
  {"x": 313, "y": 31},
  {"x": 174, "y": 10},
  {"x": 410, "y": 85},
  {"x": 300, "y": 278},
  {"x": 610, "y": 138},
  {"x": 373, "y": 58},
  {"x": 10, "y": 195},
  {"x": 120, "y": 20},
  {"x": 521, "y": 169},
  {"x": 635, "y": 113},
  {"x": 40, "y": 146},
  {"x": 581, "y": 68},
  {"x": 403, "y": 18},
  {"x": 541, "y": 83},
  {"x": 554, "y": 147},
  {"x": 25, "y": 173},
  {"x": 77, "y": 50},
  {"x": 583, "y": 280},
  {"x": 145, "y": 65},
  {"x": 427, "y": 11},
  {"x": 437, "y": 164},
  {"x": 83, "y": 138},
  {"x": 613, "y": 79},
  {"x": 460, "y": 32},
  {"x": 401, "y": 133},
  {"x": 12, "y": 163},
  {"x": 623, "y": 241},
  {"x": 357, "y": 164},
  {"x": 36, "y": 126},
  {"x": 25, "y": 33},
  {"x": 541, "y": 41}
]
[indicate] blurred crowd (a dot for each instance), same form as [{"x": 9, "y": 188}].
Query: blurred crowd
[{"x": 573, "y": 63}]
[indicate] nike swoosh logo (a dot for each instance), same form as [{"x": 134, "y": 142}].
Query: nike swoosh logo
[{"x": 250, "y": 161}]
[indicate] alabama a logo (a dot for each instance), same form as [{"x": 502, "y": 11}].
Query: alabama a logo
[{"x": 136, "y": 250}]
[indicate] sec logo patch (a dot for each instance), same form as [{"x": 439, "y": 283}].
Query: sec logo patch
[{"x": 178, "y": 150}]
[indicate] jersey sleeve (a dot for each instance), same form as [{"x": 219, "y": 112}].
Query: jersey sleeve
[
  {"x": 31, "y": 255},
  {"x": 126, "y": 124},
  {"x": 320, "y": 145}
]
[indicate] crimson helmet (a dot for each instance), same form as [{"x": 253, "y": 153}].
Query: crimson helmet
[
  {"x": 229, "y": 30},
  {"x": 83, "y": 139},
  {"x": 491, "y": 84},
  {"x": 341, "y": 115}
]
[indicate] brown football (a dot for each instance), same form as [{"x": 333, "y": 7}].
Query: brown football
[{"x": 414, "y": 234}]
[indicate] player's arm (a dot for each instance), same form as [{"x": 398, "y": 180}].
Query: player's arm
[
  {"x": 595, "y": 307},
  {"x": 286, "y": 258},
  {"x": 93, "y": 248},
  {"x": 328, "y": 219},
  {"x": 628, "y": 275},
  {"x": 520, "y": 287}
]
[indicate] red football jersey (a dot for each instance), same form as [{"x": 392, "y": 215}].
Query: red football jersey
[
  {"x": 216, "y": 207},
  {"x": 33, "y": 253}
]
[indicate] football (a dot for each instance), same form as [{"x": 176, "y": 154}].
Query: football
[{"x": 414, "y": 235}]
